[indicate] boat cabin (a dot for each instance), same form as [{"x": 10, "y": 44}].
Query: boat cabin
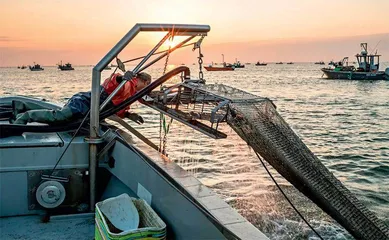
[{"x": 367, "y": 62}]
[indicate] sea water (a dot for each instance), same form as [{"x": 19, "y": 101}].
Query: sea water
[{"x": 345, "y": 123}]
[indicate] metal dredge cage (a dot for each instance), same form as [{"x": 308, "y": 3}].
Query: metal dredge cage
[{"x": 202, "y": 107}]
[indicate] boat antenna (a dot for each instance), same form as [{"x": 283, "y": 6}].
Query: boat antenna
[{"x": 375, "y": 48}]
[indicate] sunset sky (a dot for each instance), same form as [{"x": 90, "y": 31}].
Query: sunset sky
[{"x": 47, "y": 31}]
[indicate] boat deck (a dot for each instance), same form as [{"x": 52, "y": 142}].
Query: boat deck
[
  {"x": 69, "y": 226},
  {"x": 31, "y": 227}
]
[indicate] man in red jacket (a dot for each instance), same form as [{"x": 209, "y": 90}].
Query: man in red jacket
[{"x": 79, "y": 104}]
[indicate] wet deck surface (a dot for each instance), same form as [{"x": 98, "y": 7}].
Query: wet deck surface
[{"x": 31, "y": 227}]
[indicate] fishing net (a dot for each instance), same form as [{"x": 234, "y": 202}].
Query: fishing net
[{"x": 257, "y": 122}]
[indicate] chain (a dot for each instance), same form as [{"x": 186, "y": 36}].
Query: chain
[
  {"x": 201, "y": 75},
  {"x": 200, "y": 57},
  {"x": 167, "y": 59},
  {"x": 163, "y": 140}
]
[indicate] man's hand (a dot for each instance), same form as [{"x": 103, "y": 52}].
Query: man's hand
[
  {"x": 128, "y": 75},
  {"x": 134, "y": 117}
]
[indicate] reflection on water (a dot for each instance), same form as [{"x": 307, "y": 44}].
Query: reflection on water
[{"x": 345, "y": 123}]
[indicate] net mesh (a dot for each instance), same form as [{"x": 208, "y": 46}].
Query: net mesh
[
  {"x": 256, "y": 121},
  {"x": 260, "y": 125}
]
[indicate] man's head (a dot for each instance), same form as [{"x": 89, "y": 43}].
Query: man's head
[{"x": 144, "y": 79}]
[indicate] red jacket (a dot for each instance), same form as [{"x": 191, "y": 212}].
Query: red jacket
[{"x": 124, "y": 93}]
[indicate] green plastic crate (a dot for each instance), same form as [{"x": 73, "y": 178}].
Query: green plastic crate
[{"x": 151, "y": 226}]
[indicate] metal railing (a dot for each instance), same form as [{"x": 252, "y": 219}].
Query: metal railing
[{"x": 172, "y": 29}]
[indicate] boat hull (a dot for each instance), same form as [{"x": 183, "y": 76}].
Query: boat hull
[
  {"x": 219, "y": 68},
  {"x": 36, "y": 69},
  {"x": 350, "y": 75},
  {"x": 66, "y": 68}
]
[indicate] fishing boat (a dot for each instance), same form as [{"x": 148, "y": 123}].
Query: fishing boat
[
  {"x": 212, "y": 68},
  {"x": 65, "y": 67},
  {"x": 279, "y": 63},
  {"x": 36, "y": 67},
  {"x": 260, "y": 64},
  {"x": 237, "y": 64},
  {"x": 107, "y": 68},
  {"x": 290, "y": 63},
  {"x": 55, "y": 177},
  {"x": 320, "y": 63},
  {"x": 225, "y": 66},
  {"x": 367, "y": 69},
  {"x": 46, "y": 194},
  {"x": 23, "y": 67}
]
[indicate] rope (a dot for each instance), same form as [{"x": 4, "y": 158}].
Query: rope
[
  {"x": 75, "y": 134},
  {"x": 137, "y": 58},
  {"x": 282, "y": 192},
  {"x": 182, "y": 191},
  {"x": 286, "y": 197},
  {"x": 70, "y": 142}
]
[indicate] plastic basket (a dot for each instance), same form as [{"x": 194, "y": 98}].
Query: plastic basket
[{"x": 150, "y": 226}]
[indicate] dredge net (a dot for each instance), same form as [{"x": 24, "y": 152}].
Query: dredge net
[
  {"x": 260, "y": 125},
  {"x": 257, "y": 122}
]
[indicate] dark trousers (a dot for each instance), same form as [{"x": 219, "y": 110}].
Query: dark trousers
[
  {"x": 77, "y": 107},
  {"x": 25, "y": 112}
]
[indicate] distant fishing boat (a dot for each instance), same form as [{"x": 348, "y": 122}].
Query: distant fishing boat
[
  {"x": 261, "y": 64},
  {"x": 368, "y": 68},
  {"x": 23, "y": 67},
  {"x": 237, "y": 64},
  {"x": 226, "y": 66},
  {"x": 36, "y": 67},
  {"x": 65, "y": 67},
  {"x": 290, "y": 63},
  {"x": 320, "y": 63},
  {"x": 107, "y": 68},
  {"x": 279, "y": 63}
]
